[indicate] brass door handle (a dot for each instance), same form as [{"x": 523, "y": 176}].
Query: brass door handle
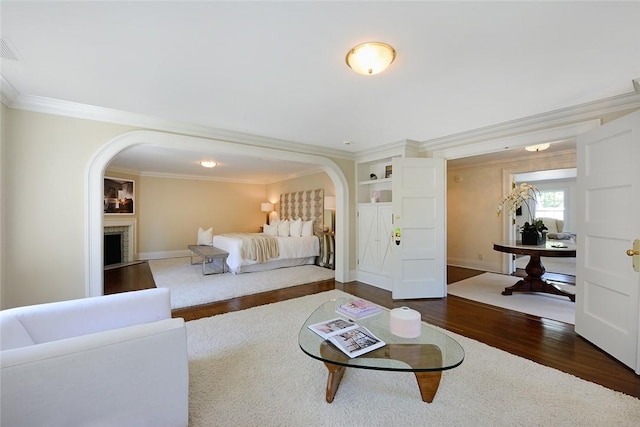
[{"x": 631, "y": 252}]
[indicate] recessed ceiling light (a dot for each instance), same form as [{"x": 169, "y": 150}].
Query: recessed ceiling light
[{"x": 208, "y": 164}]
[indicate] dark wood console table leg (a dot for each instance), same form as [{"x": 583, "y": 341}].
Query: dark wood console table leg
[{"x": 534, "y": 282}]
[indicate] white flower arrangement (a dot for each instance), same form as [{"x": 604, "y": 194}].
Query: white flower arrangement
[{"x": 518, "y": 197}]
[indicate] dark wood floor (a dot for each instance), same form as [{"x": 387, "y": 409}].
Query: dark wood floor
[{"x": 548, "y": 342}]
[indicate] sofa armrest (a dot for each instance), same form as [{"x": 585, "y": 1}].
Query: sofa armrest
[
  {"x": 131, "y": 376},
  {"x": 66, "y": 319}
]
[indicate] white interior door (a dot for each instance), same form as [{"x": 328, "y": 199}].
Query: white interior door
[
  {"x": 419, "y": 208},
  {"x": 607, "y": 287}
]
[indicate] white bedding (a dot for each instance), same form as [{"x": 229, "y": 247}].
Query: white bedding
[{"x": 289, "y": 247}]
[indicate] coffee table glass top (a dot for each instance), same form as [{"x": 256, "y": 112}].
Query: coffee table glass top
[{"x": 431, "y": 351}]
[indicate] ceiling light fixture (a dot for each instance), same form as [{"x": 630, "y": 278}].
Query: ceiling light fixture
[
  {"x": 208, "y": 164},
  {"x": 537, "y": 147},
  {"x": 370, "y": 58}
]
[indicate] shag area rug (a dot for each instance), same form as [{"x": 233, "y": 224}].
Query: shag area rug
[
  {"x": 189, "y": 287},
  {"x": 246, "y": 369},
  {"x": 487, "y": 288}
]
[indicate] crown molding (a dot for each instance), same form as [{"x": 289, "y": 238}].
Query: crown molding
[
  {"x": 514, "y": 133},
  {"x": 152, "y": 174},
  {"x": 403, "y": 148},
  {"x": 14, "y": 99},
  {"x": 7, "y": 92}
]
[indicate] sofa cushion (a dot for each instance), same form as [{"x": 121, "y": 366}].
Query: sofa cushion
[{"x": 12, "y": 333}]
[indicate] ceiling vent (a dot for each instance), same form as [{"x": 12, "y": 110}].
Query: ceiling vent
[{"x": 7, "y": 50}]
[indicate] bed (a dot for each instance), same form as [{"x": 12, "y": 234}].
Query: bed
[{"x": 301, "y": 214}]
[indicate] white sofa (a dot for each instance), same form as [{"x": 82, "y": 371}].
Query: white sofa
[
  {"x": 555, "y": 229},
  {"x": 115, "y": 360}
]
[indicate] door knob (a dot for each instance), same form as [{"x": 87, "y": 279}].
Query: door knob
[{"x": 631, "y": 252}]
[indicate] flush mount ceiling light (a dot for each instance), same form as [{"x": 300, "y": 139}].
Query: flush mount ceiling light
[
  {"x": 538, "y": 147},
  {"x": 370, "y": 58},
  {"x": 208, "y": 164}
]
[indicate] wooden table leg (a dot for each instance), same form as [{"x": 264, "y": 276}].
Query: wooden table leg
[
  {"x": 428, "y": 382},
  {"x": 534, "y": 282},
  {"x": 333, "y": 381}
]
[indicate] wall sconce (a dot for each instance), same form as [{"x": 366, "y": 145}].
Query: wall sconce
[
  {"x": 268, "y": 208},
  {"x": 330, "y": 204}
]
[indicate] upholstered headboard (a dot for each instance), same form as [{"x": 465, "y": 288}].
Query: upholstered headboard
[{"x": 308, "y": 205}]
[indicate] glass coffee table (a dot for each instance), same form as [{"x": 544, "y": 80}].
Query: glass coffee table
[{"x": 426, "y": 356}]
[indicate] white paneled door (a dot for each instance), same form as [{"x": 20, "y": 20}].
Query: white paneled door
[
  {"x": 607, "y": 287},
  {"x": 419, "y": 226}
]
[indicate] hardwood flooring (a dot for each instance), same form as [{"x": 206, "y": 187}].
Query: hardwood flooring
[{"x": 548, "y": 342}]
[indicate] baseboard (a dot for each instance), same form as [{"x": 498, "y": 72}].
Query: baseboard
[
  {"x": 164, "y": 254},
  {"x": 382, "y": 282},
  {"x": 474, "y": 265}
]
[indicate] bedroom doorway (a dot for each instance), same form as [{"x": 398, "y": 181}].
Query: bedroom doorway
[{"x": 99, "y": 162}]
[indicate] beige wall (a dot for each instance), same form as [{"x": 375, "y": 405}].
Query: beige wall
[
  {"x": 472, "y": 200},
  {"x": 44, "y": 174},
  {"x": 172, "y": 209}
]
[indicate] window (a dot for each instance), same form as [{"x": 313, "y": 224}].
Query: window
[{"x": 551, "y": 204}]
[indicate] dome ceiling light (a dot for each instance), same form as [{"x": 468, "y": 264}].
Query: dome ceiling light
[
  {"x": 370, "y": 58},
  {"x": 537, "y": 147},
  {"x": 208, "y": 164}
]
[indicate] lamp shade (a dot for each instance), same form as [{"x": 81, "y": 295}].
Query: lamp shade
[
  {"x": 266, "y": 207},
  {"x": 370, "y": 58},
  {"x": 330, "y": 202}
]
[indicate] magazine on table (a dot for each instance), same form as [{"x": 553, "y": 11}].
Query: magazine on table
[
  {"x": 358, "y": 309},
  {"x": 355, "y": 342},
  {"x": 332, "y": 327}
]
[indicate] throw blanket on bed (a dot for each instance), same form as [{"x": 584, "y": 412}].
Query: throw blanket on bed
[{"x": 257, "y": 247}]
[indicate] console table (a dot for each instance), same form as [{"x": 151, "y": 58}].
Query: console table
[{"x": 534, "y": 282}]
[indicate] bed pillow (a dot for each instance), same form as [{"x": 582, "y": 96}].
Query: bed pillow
[
  {"x": 270, "y": 230},
  {"x": 307, "y": 228},
  {"x": 283, "y": 228},
  {"x": 295, "y": 228},
  {"x": 205, "y": 237}
]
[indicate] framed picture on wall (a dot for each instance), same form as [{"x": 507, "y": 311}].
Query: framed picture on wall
[{"x": 119, "y": 196}]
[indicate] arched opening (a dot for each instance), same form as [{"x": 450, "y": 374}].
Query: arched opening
[{"x": 101, "y": 159}]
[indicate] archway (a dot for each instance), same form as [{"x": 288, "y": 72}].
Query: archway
[{"x": 101, "y": 159}]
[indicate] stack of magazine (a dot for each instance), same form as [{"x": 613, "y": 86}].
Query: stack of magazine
[
  {"x": 358, "y": 309},
  {"x": 352, "y": 339}
]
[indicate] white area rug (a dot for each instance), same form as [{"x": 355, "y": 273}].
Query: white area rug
[
  {"x": 246, "y": 369},
  {"x": 189, "y": 287},
  {"x": 487, "y": 288}
]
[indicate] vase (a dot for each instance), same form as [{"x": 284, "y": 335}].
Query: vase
[{"x": 533, "y": 237}]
